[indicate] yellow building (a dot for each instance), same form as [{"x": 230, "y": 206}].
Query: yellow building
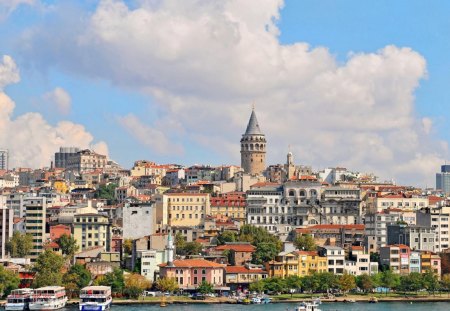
[
  {"x": 185, "y": 209},
  {"x": 299, "y": 263},
  {"x": 231, "y": 204},
  {"x": 92, "y": 230},
  {"x": 60, "y": 186}
]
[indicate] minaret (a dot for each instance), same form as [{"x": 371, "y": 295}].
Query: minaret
[
  {"x": 170, "y": 248},
  {"x": 253, "y": 147}
]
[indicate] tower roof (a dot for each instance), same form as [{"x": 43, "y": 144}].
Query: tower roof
[{"x": 253, "y": 126}]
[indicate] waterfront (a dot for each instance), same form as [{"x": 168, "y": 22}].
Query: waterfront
[{"x": 363, "y": 306}]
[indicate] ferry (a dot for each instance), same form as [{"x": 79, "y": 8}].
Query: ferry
[
  {"x": 308, "y": 306},
  {"x": 19, "y": 299},
  {"x": 48, "y": 298},
  {"x": 95, "y": 298}
]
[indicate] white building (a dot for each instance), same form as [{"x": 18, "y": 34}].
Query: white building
[
  {"x": 150, "y": 261},
  {"x": 6, "y": 226},
  {"x": 336, "y": 258},
  {"x": 341, "y": 206},
  {"x": 360, "y": 263},
  {"x": 139, "y": 219}
]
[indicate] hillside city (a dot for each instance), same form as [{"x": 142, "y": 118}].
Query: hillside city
[{"x": 279, "y": 228}]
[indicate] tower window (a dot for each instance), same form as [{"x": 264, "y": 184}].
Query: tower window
[{"x": 261, "y": 160}]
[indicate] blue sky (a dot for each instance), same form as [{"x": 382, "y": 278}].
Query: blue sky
[{"x": 101, "y": 100}]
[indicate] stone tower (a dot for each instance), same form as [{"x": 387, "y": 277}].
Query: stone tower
[
  {"x": 253, "y": 147},
  {"x": 289, "y": 167}
]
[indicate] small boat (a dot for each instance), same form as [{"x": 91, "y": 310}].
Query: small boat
[
  {"x": 307, "y": 306},
  {"x": 19, "y": 299},
  {"x": 48, "y": 298},
  {"x": 256, "y": 300},
  {"x": 266, "y": 300},
  {"x": 373, "y": 300},
  {"x": 349, "y": 301},
  {"x": 95, "y": 298},
  {"x": 245, "y": 301}
]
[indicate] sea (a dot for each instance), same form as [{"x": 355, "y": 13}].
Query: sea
[{"x": 358, "y": 306}]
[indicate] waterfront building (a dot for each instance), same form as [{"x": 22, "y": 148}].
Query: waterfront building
[
  {"x": 150, "y": 261},
  {"x": 414, "y": 262},
  {"x": 239, "y": 278},
  {"x": 430, "y": 261},
  {"x": 396, "y": 257},
  {"x": 335, "y": 257},
  {"x": 359, "y": 262},
  {"x": 253, "y": 147}
]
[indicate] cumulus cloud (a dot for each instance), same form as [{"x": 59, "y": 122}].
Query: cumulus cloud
[
  {"x": 59, "y": 99},
  {"x": 204, "y": 62},
  {"x": 153, "y": 138},
  {"x": 32, "y": 141}
]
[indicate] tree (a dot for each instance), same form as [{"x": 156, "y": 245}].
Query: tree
[
  {"x": 205, "y": 288},
  {"x": 114, "y": 279},
  {"x": 128, "y": 246},
  {"x": 167, "y": 284},
  {"x": 257, "y": 286},
  {"x": 68, "y": 245},
  {"x": 83, "y": 276},
  {"x": 265, "y": 251},
  {"x": 180, "y": 242},
  {"x": 293, "y": 282},
  {"x": 430, "y": 281},
  {"x": 107, "y": 192},
  {"x": 192, "y": 248},
  {"x": 70, "y": 282},
  {"x": 390, "y": 280},
  {"x": 8, "y": 281},
  {"x": 275, "y": 285},
  {"x": 326, "y": 281},
  {"x": 305, "y": 242},
  {"x": 445, "y": 283},
  {"x": 135, "y": 284},
  {"x": 347, "y": 282},
  {"x": 365, "y": 282},
  {"x": 411, "y": 282},
  {"x": 226, "y": 236},
  {"x": 20, "y": 245},
  {"x": 48, "y": 267},
  {"x": 311, "y": 282}
]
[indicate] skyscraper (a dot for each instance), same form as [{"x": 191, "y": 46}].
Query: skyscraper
[
  {"x": 253, "y": 147},
  {"x": 4, "y": 157},
  {"x": 62, "y": 157},
  {"x": 443, "y": 179}
]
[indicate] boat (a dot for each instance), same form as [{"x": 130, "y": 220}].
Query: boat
[
  {"x": 48, "y": 298},
  {"x": 95, "y": 298},
  {"x": 266, "y": 300},
  {"x": 373, "y": 300},
  {"x": 308, "y": 306},
  {"x": 19, "y": 299},
  {"x": 256, "y": 300},
  {"x": 349, "y": 301}
]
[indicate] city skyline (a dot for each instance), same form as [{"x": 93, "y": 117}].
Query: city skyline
[{"x": 368, "y": 98}]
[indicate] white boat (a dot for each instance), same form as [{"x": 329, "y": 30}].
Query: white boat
[
  {"x": 256, "y": 300},
  {"x": 308, "y": 306},
  {"x": 48, "y": 298},
  {"x": 95, "y": 298},
  {"x": 18, "y": 300}
]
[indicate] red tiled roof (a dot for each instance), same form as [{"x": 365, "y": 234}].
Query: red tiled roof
[
  {"x": 357, "y": 248},
  {"x": 194, "y": 263},
  {"x": 243, "y": 269},
  {"x": 236, "y": 247}
]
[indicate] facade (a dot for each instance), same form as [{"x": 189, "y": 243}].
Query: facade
[
  {"x": 438, "y": 218},
  {"x": 376, "y": 228},
  {"x": 341, "y": 206},
  {"x": 62, "y": 157},
  {"x": 430, "y": 260},
  {"x": 359, "y": 262},
  {"x": 92, "y": 230},
  {"x": 139, "y": 220},
  {"x": 240, "y": 253},
  {"x": 6, "y": 228},
  {"x": 253, "y": 148},
  {"x": 443, "y": 179},
  {"x": 150, "y": 261},
  {"x": 190, "y": 273},
  {"x": 85, "y": 161},
  {"x": 231, "y": 204},
  {"x": 35, "y": 221},
  {"x": 185, "y": 209},
  {"x": 335, "y": 235},
  {"x": 296, "y": 263},
  {"x": 336, "y": 258},
  {"x": 415, "y": 262},
  {"x": 4, "y": 159},
  {"x": 416, "y": 237},
  {"x": 400, "y": 201},
  {"x": 240, "y": 277},
  {"x": 396, "y": 257}
]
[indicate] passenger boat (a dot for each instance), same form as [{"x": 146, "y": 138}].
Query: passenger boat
[
  {"x": 308, "y": 306},
  {"x": 18, "y": 300},
  {"x": 48, "y": 298},
  {"x": 95, "y": 298}
]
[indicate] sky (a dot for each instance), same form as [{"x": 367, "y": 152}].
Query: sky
[{"x": 359, "y": 84}]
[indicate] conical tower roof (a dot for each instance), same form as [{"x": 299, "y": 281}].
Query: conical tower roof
[{"x": 253, "y": 126}]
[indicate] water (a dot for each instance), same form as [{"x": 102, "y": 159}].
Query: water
[{"x": 382, "y": 306}]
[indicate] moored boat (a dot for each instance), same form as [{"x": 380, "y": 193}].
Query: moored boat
[
  {"x": 308, "y": 306},
  {"x": 18, "y": 300},
  {"x": 48, "y": 298},
  {"x": 95, "y": 298}
]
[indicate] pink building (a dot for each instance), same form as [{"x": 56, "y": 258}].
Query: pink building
[{"x": 189, "y": 273}]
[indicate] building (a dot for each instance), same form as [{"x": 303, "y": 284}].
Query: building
[
  {"x": 443, "y": 179},
  {"x": 239, "y": 253},
  {"x": 62, "y": 157},
  {"x": 6, "y": 228},
  {"x": 400, "y": 201},
  {"x": 231, "y": 204},
  {"x": 296, "y": 263},
  {"x": 185, "y": 209},
  {"x": 239, "y": 278},
  {"x": 335, "y": 235},
  {"x": 4, "y": 159},
  {"x": 57, "y": 231},
  {"x": 341, "y": 205},
  {"x": 335, "y": 256},
  {"x": 253, "y": 147},
  {"x": 35, "y": 222},
  {"x": 438, "y": 218},
  {"x": 430, "y": 260},
  {"x": 150, "y": 261},
  {"x": 416, "y": 237},
  {"x": 396, "y": 257},
  {"x": 359, "y": 262},
  {"x": 92, "y": 230},
  {"x": 139, "y": 220},
  {"x": 190, "y": 273},
  {"x": 85, "y": 161},
  {"x": 376, "y": 228},
  {"x": 415, "y": 262}
]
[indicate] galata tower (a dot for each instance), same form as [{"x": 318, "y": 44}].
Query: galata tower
[{"x": 253, "y": 147}]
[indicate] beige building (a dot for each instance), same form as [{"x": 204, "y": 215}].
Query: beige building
[
  {"x": 185, "y": 209},
  {"x": 35, "y": 220},
  {"x": 92, "y": 230},
  {"x": 85, "y": 161},
  {"x": 232, "y": 204},
  {"x": 400, "y": 201},
  {"x": 253, "y": 148}
]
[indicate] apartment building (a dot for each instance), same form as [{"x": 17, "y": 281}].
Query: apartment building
[
  {"x": 6, "y": 227},
  {"x": 416, "y": 237},
  {"x": 240, "y": 277},
  {"x": 401, "y": 201},
  {"x": 359, "y": 262},
  {"x": 415, "y": 262},
  {"x": 35, "y": 221},
  {"x": 335, "y": 257},
  {"x": 231, "y": 204},
  {"x": 376, "y": 228},
  {"x": 341, "y": 205},
  {"x": 85, "y": 161},
  {"x": 439, "y": 219},
  {"x": 139, "y": 219},
  {"x": 92, "y": 230},
  {"x": 185, "y": 209},
  {"x": 296, "y": 263},
  {"x": 150, "y": 261},
  {"x": 396, "y": 257},
  {"x": 430, "y": 261}
]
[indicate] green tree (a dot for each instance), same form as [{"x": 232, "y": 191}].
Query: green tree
[
  {"x": 305, "y": 242},
  {"x": 205, "y": 288},
  {"x": 293, "y": 282},
  {"x": 226, "y": 236},
  {"x": 265, "y": 251},
  {"x": 167, "y": 284},
  {"x": 135, "y": 284},
  {"x": 115, "y": 279},
  {"x": 327, "y": 281},
  {"x": 445, "y": 283},
  {"x": 70, "y": 282},
  {"x": 365, "y": 282},
  {"x": 48, "y": 267},
  {"x": 275, "y": 285},
  {"x": 68, "y": 245},
  {"x": 347, "y": 282},
  {"x": 180, "y": 243},
  {"x": 192, "y": 248},
  {"x": 107, "y": 192},
  {"x": 257, "y": 286},
  {"x": 20, "y": 245},
  {"x": 390, "y": 280},
  {"x": 8, "y": 281},
  {"x": 430, "y": 281},
  {"x": 84, "y": 275},
  {"x": 311, "y": 283}
]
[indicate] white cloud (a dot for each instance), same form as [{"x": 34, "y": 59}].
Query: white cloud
[
  {"x": 8, "y": 6},
  {"x": 32, "y": 141},
  {"x": 155, "y": 139},
  {"x": 204, "y": 62},
  {"x": 9, "y": 73},
  {"x": 59, "y": 99}
]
